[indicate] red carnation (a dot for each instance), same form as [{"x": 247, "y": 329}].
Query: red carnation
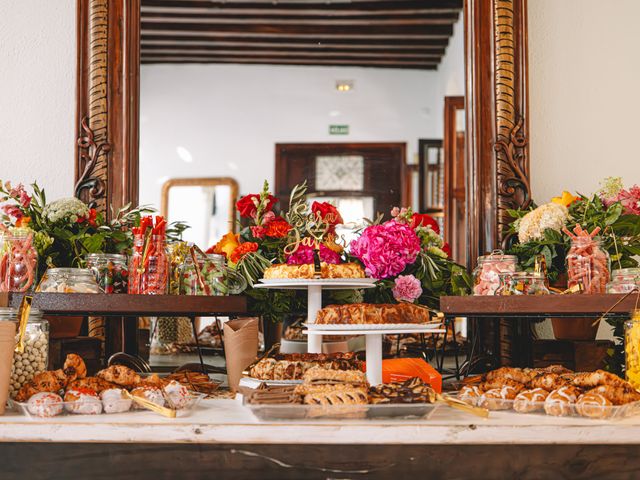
[
  {"x": 248, "y": 205},
  {"x": 277, "y": 228},
  {"x": 327, "y": 212},
  {"x": 424, "y": 220}
]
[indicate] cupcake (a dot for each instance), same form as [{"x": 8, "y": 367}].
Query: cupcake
[
  {"x": 115, "y": 401},
  {"x": 82, "y": 401},
  {"x": 45, "y": 404}
]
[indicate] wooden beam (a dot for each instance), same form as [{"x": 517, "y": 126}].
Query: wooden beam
[
  {"x": 309, "y": 31},
  {"x": 146, "y": 50}
]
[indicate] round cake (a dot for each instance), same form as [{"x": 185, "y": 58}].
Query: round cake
[{"x": 45, "y": 404}]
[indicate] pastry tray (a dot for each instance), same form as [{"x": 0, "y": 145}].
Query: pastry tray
[
  {"x": 290, "y": 411},
  {"x": 614, "y": 412},
  {"x": 418, "y": 327},
  {"x": 23, "y": 408}
]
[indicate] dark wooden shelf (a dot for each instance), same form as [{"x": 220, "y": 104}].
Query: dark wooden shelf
[
  {"x": 97, "y": 304},
  {"x": 536, "y": 306}
]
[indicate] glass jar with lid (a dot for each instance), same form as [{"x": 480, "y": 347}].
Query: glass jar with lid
[
  {"x": 588, "y": 263},
  {"x": 69, "y": 280},
  {"x": 35, "y": 358},
  {"x": 110, "y": 270},
  {"x": 624, "y": 280},
  {"x": 18, "y": 261},
  {"x": 486, "y": 276},
  {"x": 523, "y": 283},
  {"x": 209, "y": 276},
  {"x": 149, "y": 266}
]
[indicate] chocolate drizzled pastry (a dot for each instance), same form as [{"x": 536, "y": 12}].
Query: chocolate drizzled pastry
[{"x": 413, "y": 390}]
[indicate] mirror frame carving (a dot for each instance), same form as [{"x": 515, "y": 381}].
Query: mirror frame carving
[
  {"x": 202, "y": 182},
  {"x": 496, "y": 110}
]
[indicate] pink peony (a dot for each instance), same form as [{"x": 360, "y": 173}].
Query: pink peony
[
  {"x": 386, "y": 250},
  {"x": 407, "y": 288},
  {"x": 304, "y": 255}
]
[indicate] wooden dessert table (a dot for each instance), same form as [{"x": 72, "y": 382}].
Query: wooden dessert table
[{"x": 222, "y": 439}]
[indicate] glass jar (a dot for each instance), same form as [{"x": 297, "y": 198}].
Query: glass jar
[
  {"x": 522, "y": 283},
  {"x": 624, "y": 280},
  {"x": 171, "y": 335},
  {"x": 149, "y": 266},
  {"x": 69, "y": 280},
  {"x": 209, "y": 276},
  {"x": 110, "y": 271},
  {"x": 35, "y": 358},
  {"x": 486, "y": 276},
  {"x": 588, "y": 264},
  {"x": 18, "y": 262},
  {"x": 178, "y": 252},
  {"x": 632, "y": 349}
]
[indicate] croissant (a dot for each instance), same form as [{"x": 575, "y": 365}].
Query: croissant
[
  {"x": 516, "y": 374},
  {"x": 120, "y": 375},
  {"x": 51, "y": 381},
  {"x": 599, "y": 377},
  {"x": 74, "y": 366},
  {"x": 548, "y": 382},
  {"x": 94, "y": 383}
]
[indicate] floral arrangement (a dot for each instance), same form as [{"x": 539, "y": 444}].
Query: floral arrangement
[
  {"x": 613, "y": 209},
  {"x": 410, "y": 260},
  {"x": 66, "y": 230}
]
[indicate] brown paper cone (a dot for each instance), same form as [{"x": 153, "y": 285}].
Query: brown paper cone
[
  {"x": 240, "y": 347},
  {"x": 7, "y": 345}
]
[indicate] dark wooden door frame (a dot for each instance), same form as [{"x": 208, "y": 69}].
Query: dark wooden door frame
[
  {"x": 451, "y": 106},
  {"x": 496, "y": 92}
]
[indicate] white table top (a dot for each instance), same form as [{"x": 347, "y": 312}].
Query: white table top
[{"x": 228, "y": 422}]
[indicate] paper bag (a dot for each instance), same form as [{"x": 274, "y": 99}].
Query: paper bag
[{"x": 240, "y": 347}]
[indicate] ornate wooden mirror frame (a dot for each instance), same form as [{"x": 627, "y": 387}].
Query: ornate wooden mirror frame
[{"x": 496, "y": 110}]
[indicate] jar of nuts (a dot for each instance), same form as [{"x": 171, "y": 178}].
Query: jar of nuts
[{"x": 35, "y": 358}]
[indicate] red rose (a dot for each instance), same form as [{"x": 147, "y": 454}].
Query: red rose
[
  {"x": 327, "y": 212},
  {"x": 424, "y": 220},
  {"x": 446, "y": 248},
  {"x": 278, "y": 228},
  {"x": 248, "y": 205}
]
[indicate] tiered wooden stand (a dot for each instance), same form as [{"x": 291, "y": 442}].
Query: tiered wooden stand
[
  {"x": 122, "y": 311},
  {"x": 523, "y": 309}
]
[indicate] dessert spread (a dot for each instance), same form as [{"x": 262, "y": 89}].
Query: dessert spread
[{"x": 364, "y": 313}]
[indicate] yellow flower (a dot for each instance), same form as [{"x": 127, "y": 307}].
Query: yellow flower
[
  {"x": 227, "y": 244},
  {"x": 566, "y": 199}
]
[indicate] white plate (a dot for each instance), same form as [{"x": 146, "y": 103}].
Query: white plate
[{"x": 374, "y": 326}]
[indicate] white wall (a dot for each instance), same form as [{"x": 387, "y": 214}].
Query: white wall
[
  {"x": 584, "y": 72},
  {"x": 37, "y": 93}
]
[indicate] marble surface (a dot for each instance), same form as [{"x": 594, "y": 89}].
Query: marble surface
[{"x": 228, "y": 422}]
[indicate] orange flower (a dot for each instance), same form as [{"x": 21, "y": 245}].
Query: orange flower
[
  {"x": 242, "y": 250},
  {"x": 23, "y": 222},
  {"x": 226, "y": 245},
  {"x": 277, "y": 228}
]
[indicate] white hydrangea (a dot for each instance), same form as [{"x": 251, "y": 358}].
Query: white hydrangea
[
  {"x": 548, "y": 216},
  {"x": 65, "y": 209}
]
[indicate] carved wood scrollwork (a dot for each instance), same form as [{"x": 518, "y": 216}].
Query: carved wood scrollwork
[
  {"x": 90, "y": 187},
  {"x": 511, "y": 144}
]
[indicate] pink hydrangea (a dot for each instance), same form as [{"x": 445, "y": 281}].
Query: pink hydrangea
[
  {"x": 304, "y": 255},
  {"x": 386, "y": 249},
  {"x": 407, "y": 288}
]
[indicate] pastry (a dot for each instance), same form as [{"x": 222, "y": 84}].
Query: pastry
[
  {"x": 274, "y": 395},
  {"x": 294, "y": 366},
  {"x": 617, "y": 395},
  {"x": 50, "y": 381},
  {"x": 560, "y": 401},
  {"x": 45, "y": 404},
  {"x": 114, "y": 400},
  {"x": 364, "y": 313},
  {"x": 470, "y": 394},
  {"x": 529, "y": 401},
  {"x": 515, "y": 374},
  {"x": 593, "y": 405},
  {"x": 347, "y": 396},
  {"x": 194, "y": 381},
  {"x": 328, "y": 270},
  {"x": 413, "y": 390},
  {"x": 498, "y": 383},
  {"x": 320, "y": 375},
  {"x": 599, "y": 377},
  {"x": 74, "y": 367},
  {"x": 152, "y": 394},
  {"x": 94, "y": 383},
  {"x": 120, "y": 375},
  {"x": 548, "y": 382},
  {"x": 178, "y": 394},
  {"x": 82, "y": 401},
  {"x": 494, "y": 399},
  {"x": 153, "y": 380}
]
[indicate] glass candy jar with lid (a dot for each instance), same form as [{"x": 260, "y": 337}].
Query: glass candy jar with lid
[
  {"x": 588, "y": 263},
  {"x": 110, "y": 270},
  {"x": 18, "y": 261},
  {"x": 149, "y": 266},
  {"x": 523, "y": 283},
  {"x": 69, "y": 280},
  {"x": 209, "y": 276},
  {"x": 35, "y": 358},
  {"x": 624, "y": 280},
  {"x": 486, "y": 276}
]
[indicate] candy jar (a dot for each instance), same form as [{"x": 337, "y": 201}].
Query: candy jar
[
  {"x": 523, "y": 283},
  {"x": 486, "y": 276},
  {"x": 632, "y": 349},
  {"x": 110, "y": 271},
  {"x": 209, "y": 276},
  {"x": 177, "y": 253},
  {"x": 69, "y": 280},
  {"x": 18, "y": 261},
  {"x": 624, "y": 280},
  {"x": 588, "y": 263},
  {"x": 149, "y": 266},
  {"x": 35, "y": 357}
]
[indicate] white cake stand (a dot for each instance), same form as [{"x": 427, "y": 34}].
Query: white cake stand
[{"x": 314, "y": 296}]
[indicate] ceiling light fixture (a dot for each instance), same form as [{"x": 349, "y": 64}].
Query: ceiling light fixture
[
  {"x": 344, "y": 85},
  {"x": 184, "y": 154}
]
